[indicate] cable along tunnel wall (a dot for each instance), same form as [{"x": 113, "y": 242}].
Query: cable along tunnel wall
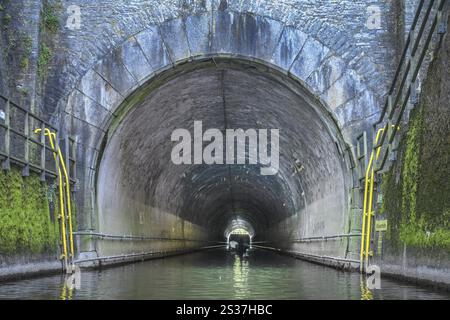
[{"x": 140, "y": 192}]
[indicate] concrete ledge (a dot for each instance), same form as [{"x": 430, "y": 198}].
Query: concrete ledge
[
  {"x": 91, "y": 261},
  {"x": 335, "y": 262},
  {"x": 426, "y": 276},
  {"x": 109, "y": 261},
  {"x": 423, "y": 275},
  {"x": 29, "y": 270}
]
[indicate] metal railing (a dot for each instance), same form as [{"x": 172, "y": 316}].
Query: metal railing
[
  {"x": 134, "y": 238},
  {"x": 316, "y": 239},
  {"x": 23, "y": 141},
  {"x": 21, "y": 145},
  {"x": 428, "y": 18}
]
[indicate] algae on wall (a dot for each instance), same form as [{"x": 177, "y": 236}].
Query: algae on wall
[
  {"x": 417, "y": 189},
  {"x": 49, "y": 27},
  {"x": 26, "y": 225}
]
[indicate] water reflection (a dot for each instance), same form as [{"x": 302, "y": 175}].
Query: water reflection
[
  {"x": 66, "y": 291},
  {"x": 240, "y": 272},
  {"x": 217, "y": 274},
  {"x": 366, "y": 294}
]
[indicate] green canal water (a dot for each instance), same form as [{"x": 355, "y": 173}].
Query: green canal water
[{"x": 216, "y": 274}]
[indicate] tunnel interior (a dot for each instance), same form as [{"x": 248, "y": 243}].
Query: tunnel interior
[
  {"x": 140, "y": 191},
  {"x": 239, "y": 241}
]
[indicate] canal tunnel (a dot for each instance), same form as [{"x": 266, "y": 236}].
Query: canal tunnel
[
  {"x": 116, "y": 86},
  {"x": 141, "y": 192}
]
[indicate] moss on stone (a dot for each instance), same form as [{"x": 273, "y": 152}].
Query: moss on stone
[
  {"x": 417, "y": 190},
  {"x": 45, "y": 55},
  {"x": 74, "y": 216},
  {"x": 411, "y": 169},
  {"x": 49, "y": 18},
  {"x": 27, "y": 46},
  {"x": 391, "y": 206},
  {"x": 6, "y": 21},
  {"x": 414, "y": 221},
  {"x": 25, "y": 222},
  {"x": 48, "y": 27}
]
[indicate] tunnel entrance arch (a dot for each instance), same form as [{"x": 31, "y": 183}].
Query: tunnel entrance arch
[
  {"x": 171, "y": 207},
  {"x": 303, "y": 64}
]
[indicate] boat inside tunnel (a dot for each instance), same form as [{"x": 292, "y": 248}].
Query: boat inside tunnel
[{"x": 141, "y": 192}]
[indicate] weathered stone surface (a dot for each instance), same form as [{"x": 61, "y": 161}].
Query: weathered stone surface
[
  {"x": 343, "y": 89},
  {"x": 174, "y": 35},
  {"x": 113, "y": 70},
  {"x": 86, "y": 109},
  {"x": 291, "y": 42},
  {"x": 126, "y": 45},
  {"x": 134, "y": 59},
  {"x": 198, "y": 31},
  {"x": 309, "y": 59},
  {"x": 245, "y": 34},
  {"x": 153, "y": 47},
  {"x": 98, "y": 89},
  {"x": 327, "y": 74},
  {"x": 352, "y": 111}
]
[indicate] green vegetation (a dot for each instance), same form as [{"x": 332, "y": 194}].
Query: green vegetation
[
  {"x": 417, "y": 229},
  {"x": 27, "y": 48},
  {"x": 417, "y": 188},
  {"x": 6, "y": 21},
  {"x": 49, "y": 18},
  {"x": 12, "y": 43},
  {"x": 410, "y": 171},
  {"x": 25, "y": 222},
  {"x": 392, "y": 206},
  {"x": 416, "y": 191},
  {"x": 45, "y": 55},
  {"x": 23, "y": 91},
  {"x": 415, "y": 234},
  {"x": 49, "y": 27}
]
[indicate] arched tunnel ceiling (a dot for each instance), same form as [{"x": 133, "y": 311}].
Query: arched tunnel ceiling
[{"x": 136, "y": 164}]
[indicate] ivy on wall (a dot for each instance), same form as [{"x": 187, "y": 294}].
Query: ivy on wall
[{"x": 26, "y": 225}]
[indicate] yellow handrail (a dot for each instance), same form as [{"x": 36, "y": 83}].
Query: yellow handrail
[
  {"x": 366, "y": 229},
  {"x": 57, "y": 153},
  {"x": 68, "y": 200},
  {"x": 367, "y": 206}
]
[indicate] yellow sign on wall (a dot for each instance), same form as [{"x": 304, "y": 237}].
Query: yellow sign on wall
[{"x": 381, "y": 225}]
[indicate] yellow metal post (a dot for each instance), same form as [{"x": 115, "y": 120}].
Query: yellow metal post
[
  {"x": 61, "y": 164},
  {"x": 368, "y": 206},
  {"x": 369, "y": 218},
  {"x": 62, "y": 215},
  {"x": 364, "y": 217},
  {"x": 68, "y": 199}
]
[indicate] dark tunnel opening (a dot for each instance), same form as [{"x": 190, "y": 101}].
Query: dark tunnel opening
[
  {"x": 239, "y": 241},
  {"x": 140, "y": 191}
]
